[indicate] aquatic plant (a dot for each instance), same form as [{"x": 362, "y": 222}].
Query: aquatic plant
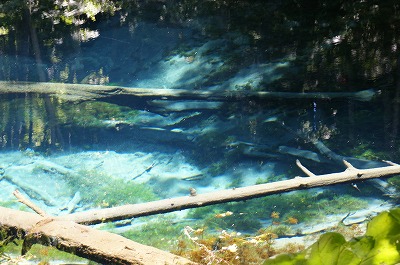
[
  {"x": 156, "y": 232},
  {"x": 94, "y": 114},
  {"x": 217, "y": 168},
  {"x": 395, "y": 182},
  {"x": 216, "y": 218},
  {"x": 103, "y": 190},
  {"x": 271, "y": 178},
  {"x": 275, "y": 215},
  {"x": 11, "y": 204},
  {"x": 292, "y": 220},
  {"x": 366, "y": 150},
  {"x": 379, "y": 245},
  {"x": 225, "y": 247},
  {"x": 299, "y": 206},
  {"x": 38, "y": 254}
]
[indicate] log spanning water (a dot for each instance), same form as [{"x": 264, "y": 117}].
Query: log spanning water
[
  {"x": 351, "y": 174},
  {"x": 80, "y": 240},
  {"x": 82, "y": 92},
  {"x": 64, "y": 233}
]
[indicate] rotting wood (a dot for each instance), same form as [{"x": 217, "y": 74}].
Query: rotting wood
[
  {"x": 82, "y": 92},
  {"x": 351, "y": 174},
  {"x": 83, "y": 241}
]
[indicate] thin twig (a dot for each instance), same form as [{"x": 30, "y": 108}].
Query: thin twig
[
  {"x": 304, "y": 169},
  {"x": 29, "y": 203},
  {"x": 144, "y": 171},
  {"x": 390, "y": 163},
  {"x": 348, "y": 165}
]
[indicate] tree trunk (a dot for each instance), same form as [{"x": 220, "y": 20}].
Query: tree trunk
[
  {"x": 81, "y": 92},
  {"x": 351, "y": 174},
  {"x": 65, "y": 234},
  {"x": 83, "y": 241}
]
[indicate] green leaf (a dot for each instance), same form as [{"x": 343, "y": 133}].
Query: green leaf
[
  {"x": 362, "y": 246},
  {"x": 384, "y": 252},
  {"x": 347, "y": 257},
  {"x": 383, "y": 225},
  {"x": 395, "y": 213},
  {"x": 381, "y": 243},
  {"x": 327, "y": 249}
]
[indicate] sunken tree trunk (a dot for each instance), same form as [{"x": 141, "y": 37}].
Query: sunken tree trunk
[{"x": 66, "y": 234}]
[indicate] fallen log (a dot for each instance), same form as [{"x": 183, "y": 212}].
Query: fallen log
[
  {"x": 30, "y": 190},
  {"x": 336, "y": 158},
  {"x": 82, "y": 92},
  {"x": 351, "y": 174},
  {"x": 83, "y": 241}
]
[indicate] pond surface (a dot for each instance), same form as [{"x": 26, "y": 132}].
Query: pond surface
[{"x": 73, "y": 153}]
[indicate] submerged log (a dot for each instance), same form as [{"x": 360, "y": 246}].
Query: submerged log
[
  {"x": 82, "y": 92},
  {"x": 83, "y": 241},
  {"x": 30, "y": 190},
  {"x": 351, "y": 174},
  {"x": 65, "y": 234}
]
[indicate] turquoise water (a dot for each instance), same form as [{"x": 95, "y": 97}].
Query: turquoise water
[{"x": 71, "y": 154}]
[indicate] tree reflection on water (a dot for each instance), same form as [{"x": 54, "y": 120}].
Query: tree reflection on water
[{"x": 328, "y": 45}]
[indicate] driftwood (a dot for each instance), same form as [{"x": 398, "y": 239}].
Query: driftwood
[
  {"x": 351, "y": 174},
  {"x": 83, "y": 241},
  {"x": 82, "y": 92},
  {"x": 66, "y": 234}
]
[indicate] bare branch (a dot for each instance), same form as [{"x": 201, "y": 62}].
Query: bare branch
[
  {"x": 29, "y": 203},
  {"x": 390, "y": 163},
  {"x": 304, "y": 169},
  {"x": 222, "y": 196},
  {"x": 348, "y": 165}
]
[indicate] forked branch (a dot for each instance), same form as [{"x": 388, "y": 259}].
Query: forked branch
[
  {"x": 352, "y": 174},
  {"x": 64, "y": 233}
]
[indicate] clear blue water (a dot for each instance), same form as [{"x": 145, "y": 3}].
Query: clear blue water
[{"x": 119, "y": 150}]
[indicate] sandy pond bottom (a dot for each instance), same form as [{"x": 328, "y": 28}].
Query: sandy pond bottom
[
  {"x": 171, "y": 174},
  {"x": 45, "y": 179}
]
